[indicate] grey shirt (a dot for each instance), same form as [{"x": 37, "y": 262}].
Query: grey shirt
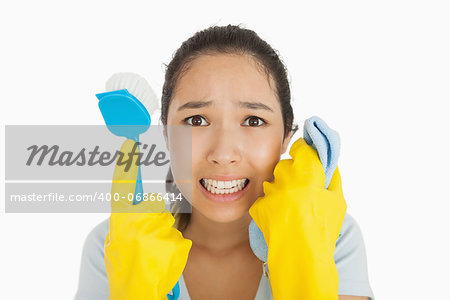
[{"x": 349, "y": 256}]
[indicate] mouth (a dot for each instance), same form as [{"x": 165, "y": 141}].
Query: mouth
[{"x": 224, "y": 191}]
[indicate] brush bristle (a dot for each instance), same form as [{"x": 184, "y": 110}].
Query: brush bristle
[{"x": 137, "y": 86}]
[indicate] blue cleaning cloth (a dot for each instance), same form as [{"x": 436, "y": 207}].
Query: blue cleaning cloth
[{"x": 327, "y": 143}]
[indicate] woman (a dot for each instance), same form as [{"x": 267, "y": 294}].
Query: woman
[{"x": 232, "y": 89}]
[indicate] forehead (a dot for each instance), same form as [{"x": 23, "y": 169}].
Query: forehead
[{"x": 225, "y": 78}]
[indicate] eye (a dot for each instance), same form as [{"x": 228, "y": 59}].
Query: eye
[
  {"x": 196, "y": 120},
  {"x": 255, "y": 121}
]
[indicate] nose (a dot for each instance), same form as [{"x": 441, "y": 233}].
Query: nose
[{"x": 225, "y": 146}]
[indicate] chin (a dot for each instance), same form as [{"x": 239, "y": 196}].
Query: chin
[
  {"x": 222, "y": 217},
  {"x": 223, "y": 213}
]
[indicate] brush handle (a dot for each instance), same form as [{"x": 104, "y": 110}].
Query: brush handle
[
  {"x": 138, "y": 194},
  {"x": 139, "y": 191},
  {"x": 175, "y": 292}
]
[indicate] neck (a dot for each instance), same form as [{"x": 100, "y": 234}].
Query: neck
[{"x": 217, "y": 237}]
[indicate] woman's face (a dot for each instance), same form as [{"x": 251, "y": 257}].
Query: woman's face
[{"x": 237, "y": 133}]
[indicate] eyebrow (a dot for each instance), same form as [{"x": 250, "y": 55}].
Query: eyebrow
[{"x": 245, "y": 104}]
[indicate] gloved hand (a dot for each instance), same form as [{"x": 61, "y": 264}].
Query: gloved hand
[
  {"x": 301, "y": 221},
  {"x": 144, "y": 255}
]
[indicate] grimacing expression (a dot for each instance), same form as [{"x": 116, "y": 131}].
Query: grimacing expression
[{"x": 237, "y": 128}]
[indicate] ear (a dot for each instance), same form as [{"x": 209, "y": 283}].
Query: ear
[{"x": 285, "y": 144}]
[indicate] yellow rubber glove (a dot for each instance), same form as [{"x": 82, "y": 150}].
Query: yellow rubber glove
[
  {"x": 301, "y": 221},
  {"x": 144, "y": 255}
]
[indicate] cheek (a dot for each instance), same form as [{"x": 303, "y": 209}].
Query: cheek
[
  {"x": 263, "y": 149},
  {"x": 263, "y": 156},
  {"x": 180, "y": 145},
  {"x": 259, "y": 154},
  {"x": 263, "y": 146},
  {"x": 258, "y": 149}
]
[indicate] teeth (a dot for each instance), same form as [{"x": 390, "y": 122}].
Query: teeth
[{"x": 223, "y": 187}]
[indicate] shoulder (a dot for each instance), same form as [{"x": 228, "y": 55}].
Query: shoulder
[
  {"x": 351, "y": 261},
  {"x": 93, "y": 252},
  {"x": 350, "y": 233},
  {"x": 93, "y": 282},
  {"x": 96, "y": 237}
]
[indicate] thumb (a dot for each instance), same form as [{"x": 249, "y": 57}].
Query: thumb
[{"x": 306, "y": 164}]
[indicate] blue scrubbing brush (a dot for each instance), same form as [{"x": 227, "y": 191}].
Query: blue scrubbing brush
[{"x": 126, "y": 108}]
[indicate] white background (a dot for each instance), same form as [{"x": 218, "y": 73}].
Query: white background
[{"x": 377, "y": 72}]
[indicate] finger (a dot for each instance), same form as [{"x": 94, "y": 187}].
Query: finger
[
  {"x": 307, "y": 165},
  {"x": 152, "y": 203},
  {"x": 282, "y": 175},
  {"x": 335, "y": 183},
  {"x": 125, "y": 175}
]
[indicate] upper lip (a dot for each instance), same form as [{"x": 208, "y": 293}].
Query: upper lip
[{"x": 225, "y": 177}]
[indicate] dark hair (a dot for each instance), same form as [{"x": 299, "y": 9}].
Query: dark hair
[{"x": 230, "y": 39}]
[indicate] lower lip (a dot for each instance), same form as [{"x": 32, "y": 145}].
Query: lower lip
[{"x": 223, "y": 197}]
